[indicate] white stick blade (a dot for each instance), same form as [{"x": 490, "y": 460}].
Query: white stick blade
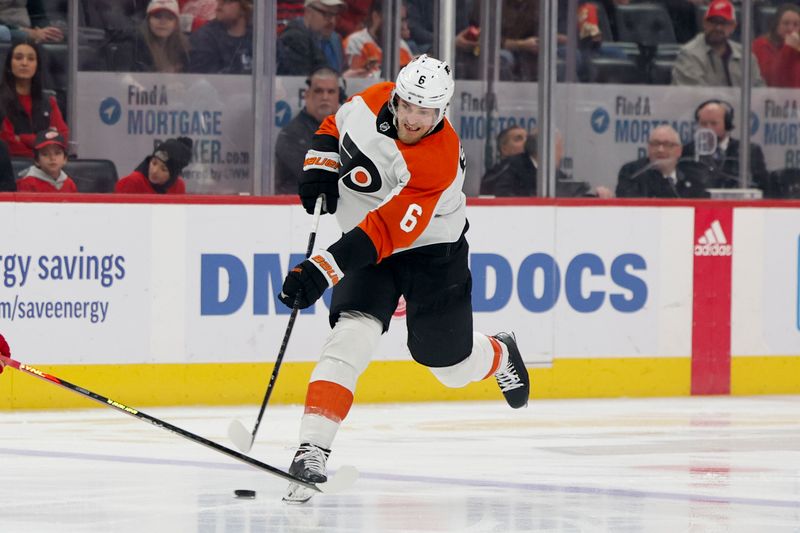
[
  {"x": 239, "y": 436},
  {"x": 344, "y": 478}
]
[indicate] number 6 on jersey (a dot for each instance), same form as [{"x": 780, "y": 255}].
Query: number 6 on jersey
[{"x": 410, "y": 218}]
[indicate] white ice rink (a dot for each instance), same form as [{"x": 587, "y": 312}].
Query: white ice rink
[{"x": 666, "y": 465}]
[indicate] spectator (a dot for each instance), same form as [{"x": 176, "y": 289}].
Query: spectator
[
  {"x": 421, "y": 14},
  {"x": 659, "y": 175},
  {"x": 723, "y": 165},
  {"x": 362, "y": 49},
  {"x": 8, "y": 180},
  {"x": 519, "y": 30},
  {"x": 288, "y": 10},
  {"x": 47, "y": 174},
  {"x": 515, "y": 175},
  {"x": 323, "y": 97},
  {"x": 116, "y": 17},
  {"x": 352, "y": 16},
  {"x": 27, "y": 20},
  {"x": 27, "y": 108},
  {"x": 224, "y": 45},
  {"x": 160, "y": 173},
  {"x": 200, "y": 11},
  {"x": 310, "y": 42},
  {"x": 511, "y": 141},
  {"x": 159, "y": 45},
  {"x": 778, "y": 50},
  {"x": 711, "y": 58}
]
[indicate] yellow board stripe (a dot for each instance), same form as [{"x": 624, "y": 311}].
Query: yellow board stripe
[
  {"x": 384, "y": 381},
  {"x": 765, "y": 375}
]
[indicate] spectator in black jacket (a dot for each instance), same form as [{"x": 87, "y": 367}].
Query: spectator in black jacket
[
  {"x": 516, "y": 175},
  {"x": 7, "y": 179},
  {"x": 323, "y": 97},
  {"x": 310, "y": 41},
  {"x": 225, "y": 45},
  {"x": 659, "y": 175}
]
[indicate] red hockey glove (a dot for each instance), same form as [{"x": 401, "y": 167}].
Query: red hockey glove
[
  {"x": 320, "y": 176},
  {"x": 308, "y": 280},
  {"x": 4, "y": 350}
]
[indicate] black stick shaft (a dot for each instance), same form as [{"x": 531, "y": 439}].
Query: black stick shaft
[
  {"x": 108, "y": 402},
  {"x": 290, "y": 326}
]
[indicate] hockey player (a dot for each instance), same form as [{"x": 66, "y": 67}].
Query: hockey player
[{"x": 393, "y": 165}]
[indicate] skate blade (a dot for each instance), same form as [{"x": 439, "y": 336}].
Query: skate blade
[{"x": 297, "y": 494}]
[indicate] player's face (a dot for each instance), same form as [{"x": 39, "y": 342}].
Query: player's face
[
  {"x": 322, "y": 97},
  {"x": 413, "y": 121},
  {"x": 158, "y": 173},
  {"x": 712, "y": 117}
]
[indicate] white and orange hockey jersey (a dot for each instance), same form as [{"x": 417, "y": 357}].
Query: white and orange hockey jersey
[{"x": 402, "y": 196}]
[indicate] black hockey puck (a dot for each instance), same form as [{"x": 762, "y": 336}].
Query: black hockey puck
[{"x": 245, "y": 493}]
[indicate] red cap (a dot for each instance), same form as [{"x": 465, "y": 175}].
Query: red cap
[
  {"x": 721, "y": 9},
  {"x": 49, "y": 137}
]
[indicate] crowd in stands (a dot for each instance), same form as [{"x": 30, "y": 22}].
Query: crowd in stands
[{"x": 678, "y": 42}]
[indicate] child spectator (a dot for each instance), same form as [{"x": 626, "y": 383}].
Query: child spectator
[
  {"x": 22, "y": 98},
  {"x": 47, "y": 174},
  {"x": 159, "y": 45},
  {"x": 160, "y": 173}
]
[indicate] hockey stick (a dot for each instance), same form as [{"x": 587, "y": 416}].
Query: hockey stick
[
  {"x": 344, "y": 478},
  {"x": 238, "y": 434}
]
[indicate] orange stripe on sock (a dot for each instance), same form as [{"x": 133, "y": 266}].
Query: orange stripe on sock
[
  {"x": 498, "y": 355},
  {"x": 328, "y": 399}
]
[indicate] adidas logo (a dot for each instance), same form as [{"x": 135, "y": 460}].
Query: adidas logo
[{"x": 713, "y": 242}]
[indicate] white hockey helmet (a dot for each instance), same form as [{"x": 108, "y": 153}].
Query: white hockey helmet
[{"x": 426, "y": 82}]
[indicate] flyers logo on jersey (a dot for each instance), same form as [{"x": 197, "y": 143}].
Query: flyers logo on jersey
[{"x": 358, "y": 171}]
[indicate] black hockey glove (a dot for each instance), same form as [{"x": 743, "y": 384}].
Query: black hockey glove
[
  {"x": 320, "y": 176},
  {"x": 308, "y": 280}
]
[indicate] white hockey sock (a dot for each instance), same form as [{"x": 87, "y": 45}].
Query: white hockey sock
[
  {"x": 345, "y": 356},
  {"x": 488, "y": 355}
]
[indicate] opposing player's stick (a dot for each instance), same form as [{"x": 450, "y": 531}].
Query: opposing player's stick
[
  {"x": 344, "y": 478},
  {"x": 238, "y": 434}
]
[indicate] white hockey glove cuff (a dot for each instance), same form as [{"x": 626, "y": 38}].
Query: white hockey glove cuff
[{"x": 326, "y": 264}]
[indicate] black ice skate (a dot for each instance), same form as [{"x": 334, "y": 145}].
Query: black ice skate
[
  {"x": 309, "y": 465},
  {"x": 513, "y": 379}
]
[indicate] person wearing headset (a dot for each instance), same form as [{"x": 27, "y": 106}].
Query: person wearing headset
[
  {"x": 324, "y": 94},
  {"x": 723, "y": 165}
]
